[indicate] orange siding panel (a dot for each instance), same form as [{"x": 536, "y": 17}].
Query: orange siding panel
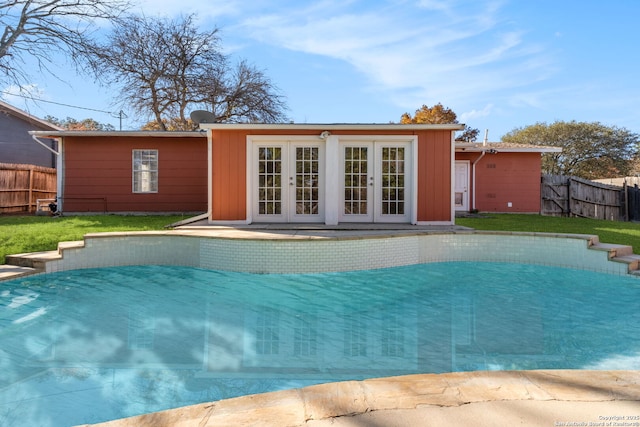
[
  {"x": 229, "y": 176},
  {"x": 434, "y": 176},
  {"x": 98, "y": 175}
]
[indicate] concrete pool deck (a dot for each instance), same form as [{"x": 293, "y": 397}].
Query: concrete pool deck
[
  {"x": 486, "y": 398},
  {"x": 533, "y": 398}
]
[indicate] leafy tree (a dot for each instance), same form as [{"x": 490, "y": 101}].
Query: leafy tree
[
  {"x": 589, "y": 150},
  {"x": 173, "y": 124},
  {"x": 41, "y": 28},
  {"x": 167, "y": 68},
  {"x": 438, "y": 114},
  {"x": 73, "y": 124}
]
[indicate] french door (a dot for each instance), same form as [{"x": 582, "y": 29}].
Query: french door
[
  {"x": 289, "y": 182},
  {"x": 376, "y": 182}
]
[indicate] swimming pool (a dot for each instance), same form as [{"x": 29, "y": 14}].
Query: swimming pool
[{"x": 91, "y": 345}]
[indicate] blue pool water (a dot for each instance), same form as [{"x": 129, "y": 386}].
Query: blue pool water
[{"x": 92, "y": 345}]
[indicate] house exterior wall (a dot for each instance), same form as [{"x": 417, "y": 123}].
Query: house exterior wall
[
  {"x": 229, "y": 171},
  {"x": 434, "y": 176},
  {"x": 98, "y": 174},
  {"x": 17, "y": 146},
  {"x": 503, "y": 178}
]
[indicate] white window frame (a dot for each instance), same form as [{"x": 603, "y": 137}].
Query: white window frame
[{"x": 146, "y": 174}]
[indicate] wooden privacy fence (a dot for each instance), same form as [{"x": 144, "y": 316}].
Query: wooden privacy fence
[
  {"x": 633, "y": 202},
  {"x": 22, "y": 185},
  {"x": 571, "y": 196}
]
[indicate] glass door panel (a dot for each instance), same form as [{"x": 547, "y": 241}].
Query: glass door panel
[
  {"x": 269, "y": 170},
  {"x": 391, "y": 182},
  {"x": 392, "y": 176},
  {"x": 307, "y": 181},
  {"x": 358, "y": 183}
]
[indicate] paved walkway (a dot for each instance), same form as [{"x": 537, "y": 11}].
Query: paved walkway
[{"x": 499, "y": 398}]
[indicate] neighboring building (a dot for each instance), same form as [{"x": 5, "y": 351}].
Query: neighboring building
[
  {"x": 17, "y": 146},
  {"x": 296, "y": 173},
  {"x": 499, "y": 177}
]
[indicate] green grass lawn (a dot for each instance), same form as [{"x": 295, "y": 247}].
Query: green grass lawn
[
  {"x": 623, "y": 233},
  {"x": 19, "y": 234}
]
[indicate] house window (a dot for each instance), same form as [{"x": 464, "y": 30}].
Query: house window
[
  {"x": 305, "y": 341},
  {"x": 393, "y": 336},
  {"x": 145, "y": 171},
  {"x": 355, "y": 335},
  {"x": 268, "y": 332}
]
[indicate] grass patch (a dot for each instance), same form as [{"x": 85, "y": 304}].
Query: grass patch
[
  {"x": 20, "y": 234},
  {"x": 622, "y": 233}
]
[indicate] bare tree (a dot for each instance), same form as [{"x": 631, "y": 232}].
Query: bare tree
[
  {"x": 243, "y": 94},
  {"x": 165, "y": 68},
  {"x": 39, "y": 29}
]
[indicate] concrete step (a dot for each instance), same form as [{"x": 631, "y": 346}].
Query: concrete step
[
  {"x": 8, "y": 272},
  {"x": 70, "y": 245},
  {"x": 38, "y": 259},
  {"x": 33, "y": 259},
  {"x": 613, "y": 249},
  {"x": 632, "y": 260}
]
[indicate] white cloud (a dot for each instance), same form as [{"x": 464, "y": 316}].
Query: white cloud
[
  {"x": 211, "y": 9},
  {"x": 20, "y": 96},
  {"x": 441, "y": 5},
  {"x": 475, "y": 114},
  {"x": 425, "y": 53}
]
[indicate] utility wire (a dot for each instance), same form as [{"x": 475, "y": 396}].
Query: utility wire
[
  {"x": 58, "y": 103},
  {"x": 119, "y": 115}
]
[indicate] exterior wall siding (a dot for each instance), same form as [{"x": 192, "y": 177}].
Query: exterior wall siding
[
  {"x": 505, "y": 178},
  {"x": 434, "y": 176},
  {"x": 229, "y": 176},
  {"x": 17, "y": 146},
  {"x": 98, "y": 175},
  {"x": 229, "y": 171}
]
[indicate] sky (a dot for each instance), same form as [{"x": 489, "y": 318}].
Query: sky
[{"x": 498, "y": 64}]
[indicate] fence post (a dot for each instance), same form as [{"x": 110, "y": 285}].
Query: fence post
[
  {"x": 30, "y": 200},
  {"x": 625, "y": 200},
  {"x": 569, "y": 197}
]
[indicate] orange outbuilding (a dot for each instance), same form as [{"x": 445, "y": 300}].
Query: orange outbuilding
[
  {"x": 296, "y": 173},
  {"x": 331, "y": 173}
]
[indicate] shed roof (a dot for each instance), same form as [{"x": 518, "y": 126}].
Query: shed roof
[
  {"x": 331, "y": 126},
  {"x": 505, "y": 147},
  {"x": 24, "y": 116},
  {"x": 97, "y": 133}
]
